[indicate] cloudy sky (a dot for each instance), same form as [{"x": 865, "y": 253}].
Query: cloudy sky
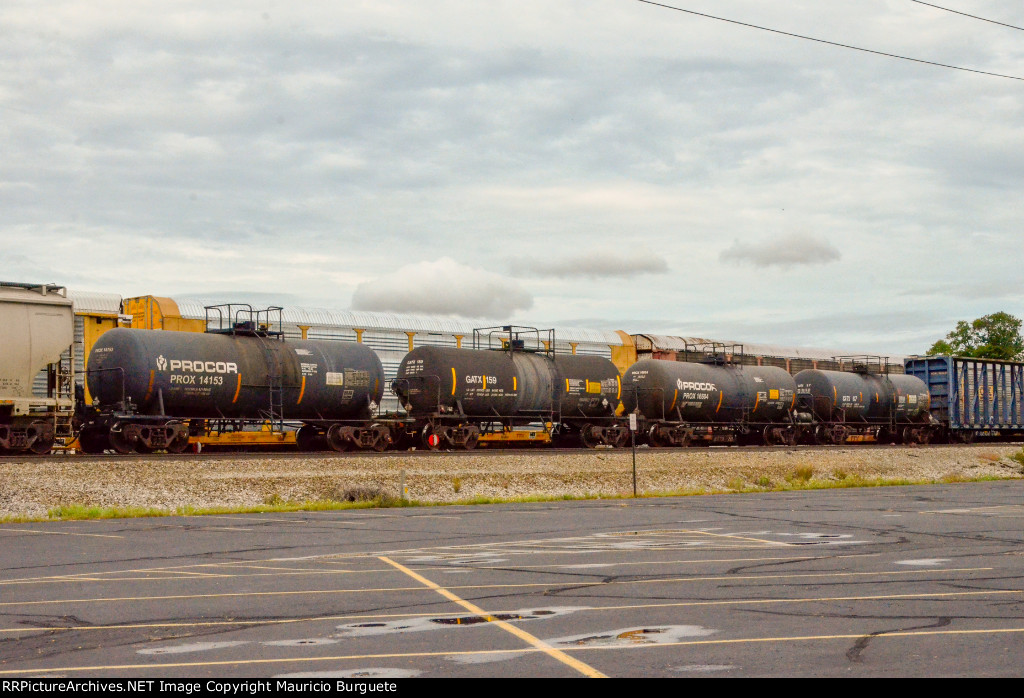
[{"x": 593, "y": 163}]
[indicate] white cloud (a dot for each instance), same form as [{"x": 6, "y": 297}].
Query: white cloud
[
  {"x": 443, "y": 287},
  {"x": 594, "y": 264},
  {"x": 785, "y": 251}
]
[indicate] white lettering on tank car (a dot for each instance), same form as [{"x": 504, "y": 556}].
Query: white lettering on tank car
[
  {"x": 198, "y": 366},
  {"x": 689, "y": 385}
]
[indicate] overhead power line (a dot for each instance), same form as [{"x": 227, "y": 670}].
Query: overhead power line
[
  {"x": 957, "y": 12},
  {"x": 831, "y": 43}
]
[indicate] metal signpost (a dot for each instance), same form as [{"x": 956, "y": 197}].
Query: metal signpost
[{"x": 632, "y": 438}]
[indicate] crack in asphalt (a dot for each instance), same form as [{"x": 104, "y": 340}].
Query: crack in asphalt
[{"x": 856, "y": 652}]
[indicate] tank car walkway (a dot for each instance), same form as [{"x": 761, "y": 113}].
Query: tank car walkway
[{"x": 911, "y": 581}]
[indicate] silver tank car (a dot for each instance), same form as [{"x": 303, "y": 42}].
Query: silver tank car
[
  {"x": 842, "y": 396},
  {"x": 198, "y": 375},
  {"x": 696, "y": 392}
]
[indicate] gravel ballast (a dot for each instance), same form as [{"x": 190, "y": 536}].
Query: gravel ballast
[{"x": 31, "y": 487}]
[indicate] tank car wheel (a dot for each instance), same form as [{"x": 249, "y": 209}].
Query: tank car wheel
[
  {"x": 770, "y": 437},
  {"x": 654, "y": 436},
  {"x": 119, "y": 440},
  {"x": 823, "y": 435},
  {"x": 337, "y": 440},
  {"x": 430, "y": 439},
  {"x": 471, "y": 442},
  {"x": 383, "y": 438},
  {"x": 306, "y": 438},
  {"x": 178, "y": 444},
  {"x": 587, "y": 436}
]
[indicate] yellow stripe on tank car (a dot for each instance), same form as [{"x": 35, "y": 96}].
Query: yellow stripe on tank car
[
  {"x": 515, "y": 382},
  {"x": 302, "y": 391},
  {"x": 453, "y": 380},
  {"x": 674, "y": 398},
  {"x": 237, "y": 390},
  {"x": 721, "y": 396},
  {"x": 485, "y": 382},
  {"x": 618, "y": 380},
  {"x": 757, "y": 399},
  {"x": 149, "y": 390},
  {"x": 793, "y": 404},
  {"x": 566, "y": 385}
]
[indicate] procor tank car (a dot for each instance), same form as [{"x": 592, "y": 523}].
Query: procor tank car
[
  {"x": 852, "y": 399},
  {"x": 452, "y": 386},
  {"x": 158, "y": 373},
  {"x": 733, "y": 400}
]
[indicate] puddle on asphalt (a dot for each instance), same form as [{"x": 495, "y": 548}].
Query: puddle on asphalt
[
  {"x": 631, "y": 637},
  {"x": 191, "y": 647},
  {"x": 368, "y": 673},
  {"x": 412, "y": 625}
]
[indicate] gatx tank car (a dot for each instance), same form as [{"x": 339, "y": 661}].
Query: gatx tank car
[
  {"x": 510, "y": 378},
  {"x": 866, "y": 401},
  {"x": 150, "y": 387}
]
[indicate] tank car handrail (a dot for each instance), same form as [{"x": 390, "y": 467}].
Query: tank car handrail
[
  {"x": 395, "y": 382},
  {"x": 119, "y": 369}
]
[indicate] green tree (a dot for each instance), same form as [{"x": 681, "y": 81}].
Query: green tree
[{"x": 995, "y": 336}]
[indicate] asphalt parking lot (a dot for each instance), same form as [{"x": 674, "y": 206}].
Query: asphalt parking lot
[{"x": 908, "y": 581}]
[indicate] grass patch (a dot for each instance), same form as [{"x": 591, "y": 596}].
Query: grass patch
[
  {"x": 1018, "y": 457},
  {"x": 81, "y": 511},
  {"x": 802, "y": 474},
  {"x": 375, "y": 499}
]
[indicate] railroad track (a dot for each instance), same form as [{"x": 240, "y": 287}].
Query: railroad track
[{"x": 288, "y": 455}]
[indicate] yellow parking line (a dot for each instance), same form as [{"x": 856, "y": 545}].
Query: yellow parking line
[
  {"x": 533, "y": 585},
  {"x": 586, "y": 609},
  {"x": 525, "y": 650},
  {"x": 533, "y": 641},
  {"x": 56, "y": 533}
]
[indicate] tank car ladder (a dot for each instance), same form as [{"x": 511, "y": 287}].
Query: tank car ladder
[{"x": 275, "y": 388}]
